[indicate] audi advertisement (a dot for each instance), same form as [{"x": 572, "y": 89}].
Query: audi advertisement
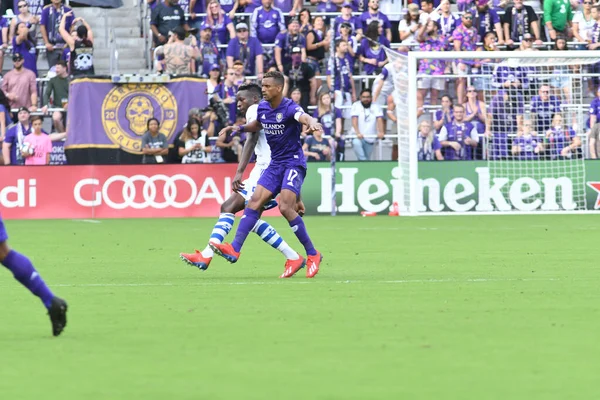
[{"x": 95, "y": 191}]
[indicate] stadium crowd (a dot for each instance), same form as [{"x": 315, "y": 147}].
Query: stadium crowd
[{"x": 336, "y": 69}]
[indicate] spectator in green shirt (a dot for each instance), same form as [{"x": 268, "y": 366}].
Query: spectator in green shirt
[
  {"x": 58, "y": 91},
  {"x": 557, "y": 16}
]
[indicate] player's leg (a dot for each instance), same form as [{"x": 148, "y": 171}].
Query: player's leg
[
  {"x": 288, "y": 205},
  {"x": 223, "y": 226},
  {"x": 260, "y": 197},
  {"x": 24, "y": 272}
]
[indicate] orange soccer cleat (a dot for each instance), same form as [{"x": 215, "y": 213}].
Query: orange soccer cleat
[
  {"x": 196, "y": 259},
  {"x": 293, "y": 266},
  {"x": 226, "y": 251},
  {"x": 313, "y": 264}
]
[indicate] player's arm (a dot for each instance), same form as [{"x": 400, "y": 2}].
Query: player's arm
[
  {"x": 247, "y": 151},
  {"x": 253, "y": 126},
  {"x": 377, "y": 85},
  {"x": 305, "y": 119}
]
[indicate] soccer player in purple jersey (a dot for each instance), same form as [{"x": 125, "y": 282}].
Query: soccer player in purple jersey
[
  {"x": 282, "y": 120},
  {"x": 23, "y": 271}
]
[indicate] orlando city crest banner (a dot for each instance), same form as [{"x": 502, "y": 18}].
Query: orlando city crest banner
[{"x": 107, "y": 115}]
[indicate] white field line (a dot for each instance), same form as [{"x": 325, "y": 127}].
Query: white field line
[
  {"x": 89, "y": 221},
  {"x": 305, "y": 282}
]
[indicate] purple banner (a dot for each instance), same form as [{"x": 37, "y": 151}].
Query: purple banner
[
  {"x": 102, "y": 114},
  {"x": 57, "y": 156}
]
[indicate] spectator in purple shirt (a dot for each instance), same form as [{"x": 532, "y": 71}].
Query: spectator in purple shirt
[
  {"x": 353, "y": 42},
  {"x": 458, "y": 138},
  {"x": 430, "y": 40},
  {"x": 373, "y": 14},
  {"x": 286, "y": 41},
  {"x": 246, "y": 49},
  {"x": 543, "y": 107},
  {"x": 594, "y": 111},
  {"x": 34, "y": 7},
  {"x": 332, "y": 121},
  {"x": 339, "y": 78},
  {"x": 266, "y": 22},
  {"x": 222, "y": 27},
  {"x": 348, "y": 18},
  {"x": 290, "y": 7},
  {"x": 49, "y": 25},
  {"x": 208, "y": 52},
  {"x": 561, "y": 140},
  {"x": 429, "y": 145},
  {"x": 25, "y": 47},
  {"x": 198, "y": 7},
  {"x": 372, "y": 54},
  {"x": 527, "y": 145},
  {"x": 445, "y": 115},
  {"x": 465, "y": 38},
  {"x": 486, "y": 20}
]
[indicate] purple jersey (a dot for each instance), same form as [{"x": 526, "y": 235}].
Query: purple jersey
[
  {"x": 185, "y": 5},
  {"x": 328, "y": 120},
  {"x": 373, "y": 53},
  {"x": 266, "y": 25},
  {"x": 366, "y": 18},
  {"x": 210, "y": 56},
  {"x": 15, "y": 135},
  {"x": 527, "y": 145},
  {"x": 544, "y": 110},
  {"x": 504, "y": 73},
  {"x": 458, "y": 132},
  {"x": 448, "y": 25},
  {"x": 246, "y": 53},
  {"x": 286, "y": 43},
  {"x": 227, "y": 5},
  {"x": 427, "y": 148},
  {"x": 326, "y": 7},
  {"x": 219, "y": 29},
  {"x": 252, "y": 6},
  {"x": 448, "y": 118},
  {"x": 282, "y": 130},
  {"x": 284, "y": 5},
  {"x": 595, "y": 108},
  {"x": 353, "y": 21},
  {"x": 51, "y": 18},
  {"x": 559, "y": 139},
  {"x": 342, "y": 73},
  {"x": 27, "y": 50},
  {"x": 3, "y": 24},
  {"x": 484, "y": 22}
]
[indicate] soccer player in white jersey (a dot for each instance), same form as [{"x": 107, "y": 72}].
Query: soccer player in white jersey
[{"x": 248, "y": 97}]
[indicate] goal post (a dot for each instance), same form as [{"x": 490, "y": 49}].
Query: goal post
[{"x": 517, "y": 140}]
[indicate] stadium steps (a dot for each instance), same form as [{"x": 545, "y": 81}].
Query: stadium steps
[{"x": 125, "y": 22}]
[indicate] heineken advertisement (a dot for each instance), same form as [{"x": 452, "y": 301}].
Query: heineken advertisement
[{"x": 455, "y": 187}]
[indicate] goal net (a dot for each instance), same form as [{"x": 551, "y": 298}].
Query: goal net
[{"x": 523, "y": 114}]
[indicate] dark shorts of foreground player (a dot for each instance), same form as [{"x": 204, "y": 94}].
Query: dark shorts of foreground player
[{"x": 279, "y": 177}]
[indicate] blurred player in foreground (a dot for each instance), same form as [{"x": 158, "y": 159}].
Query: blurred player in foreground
[
  {"x": 282, "y": 120},
  {"x": 248, "y": 97},
  {"x": 23, "y": 271}
]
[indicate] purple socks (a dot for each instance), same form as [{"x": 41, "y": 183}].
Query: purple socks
[
  {"x": 246, "y": 224},
  {"x": 25, "y": 273},
  {"x": 299, "y": 229}
]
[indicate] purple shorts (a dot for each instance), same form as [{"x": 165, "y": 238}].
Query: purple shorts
[
  {"x": 3, "y": 234},
  {"x": 278, "y": 177}
]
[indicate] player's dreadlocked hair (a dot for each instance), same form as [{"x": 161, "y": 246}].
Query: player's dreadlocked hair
[
  {"x": 253, "y": 88},
  {"x": 276, "y": 75}
]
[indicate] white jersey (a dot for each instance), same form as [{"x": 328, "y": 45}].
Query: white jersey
[{"x": 262, "y": 149}]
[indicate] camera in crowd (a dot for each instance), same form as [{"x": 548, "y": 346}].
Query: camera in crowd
[{"x": 220, "y": 109}]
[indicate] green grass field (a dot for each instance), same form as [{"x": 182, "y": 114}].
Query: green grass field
[{"x": 403, "y": 308}]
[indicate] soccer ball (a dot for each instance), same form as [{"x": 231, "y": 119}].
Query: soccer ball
[{"x": 27, "y": 148}]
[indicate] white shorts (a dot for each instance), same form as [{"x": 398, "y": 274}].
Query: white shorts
[
  {"x": 431, "y": 83},
  {"x": 252, "y": 181}
]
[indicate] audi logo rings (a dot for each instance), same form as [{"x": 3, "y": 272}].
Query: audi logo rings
[{"x": 149, "y": 192}]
